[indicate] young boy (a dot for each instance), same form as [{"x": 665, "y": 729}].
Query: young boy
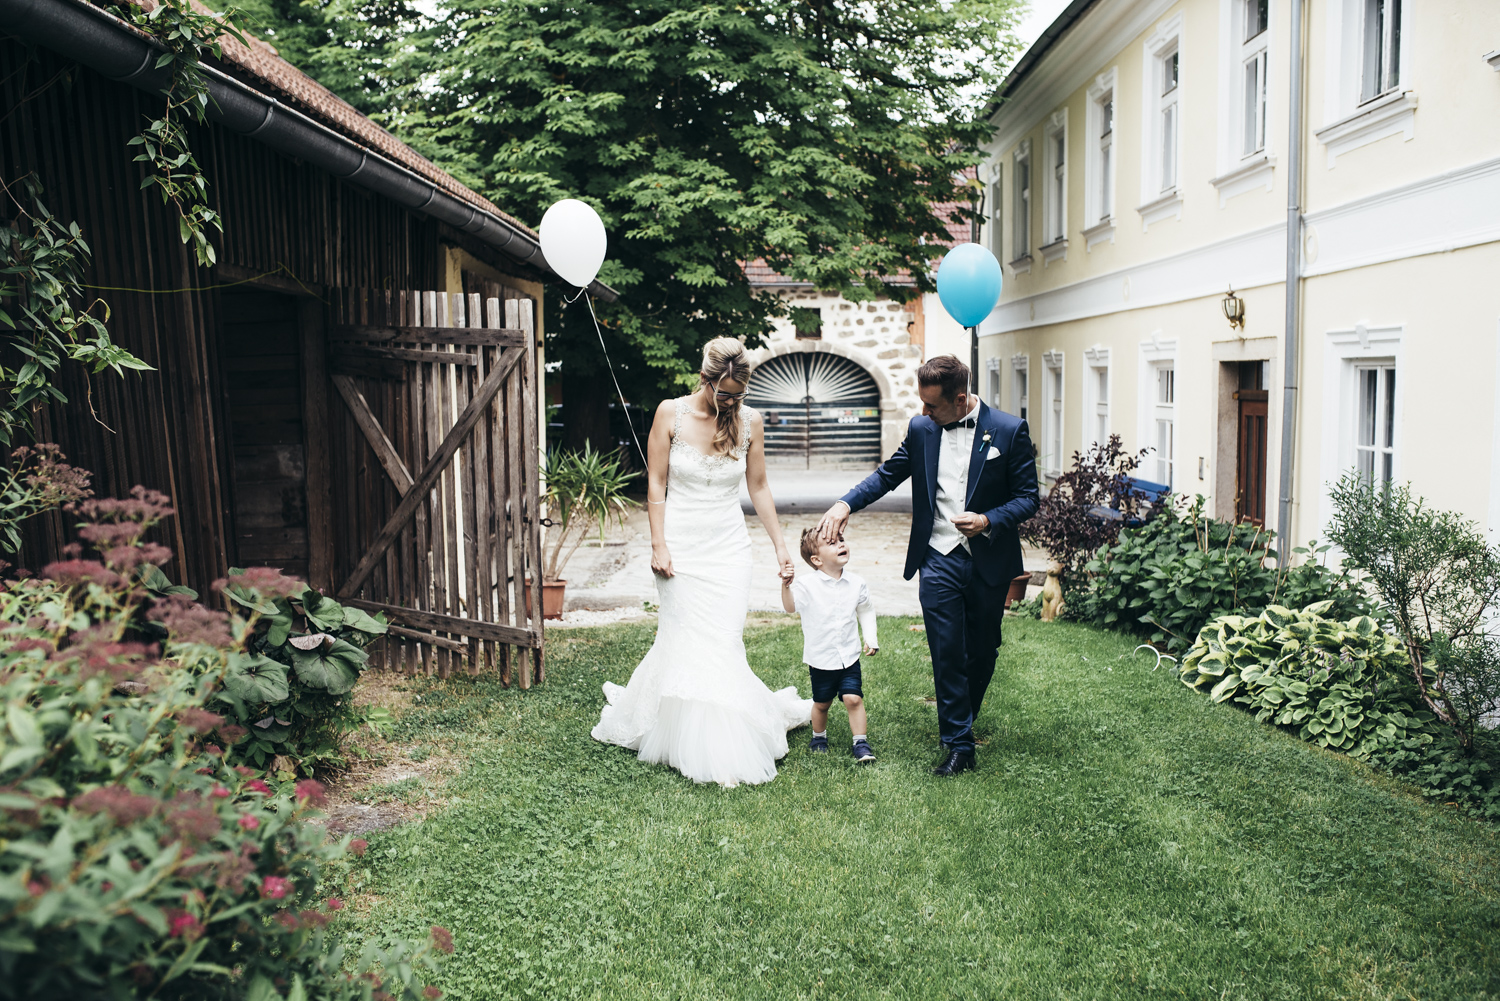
[{"x": 835, "y": 607}]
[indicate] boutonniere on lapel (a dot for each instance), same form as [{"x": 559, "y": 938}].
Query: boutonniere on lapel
[{"x": 991, "y": 452}]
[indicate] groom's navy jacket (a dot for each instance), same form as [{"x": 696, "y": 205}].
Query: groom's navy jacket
[{"x": 1002, "y": 488}]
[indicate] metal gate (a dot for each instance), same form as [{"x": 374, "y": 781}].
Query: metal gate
[
  {"x": 436, "y": 477},
  {"x": 820, "y": 410}
]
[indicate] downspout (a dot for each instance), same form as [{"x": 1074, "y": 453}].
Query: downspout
[{"x": 1292, "y": 342}]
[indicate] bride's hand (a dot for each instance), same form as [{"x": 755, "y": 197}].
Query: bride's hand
[
  {"x": 784, "y": 567},
  {"x": 661, "y": 561}
]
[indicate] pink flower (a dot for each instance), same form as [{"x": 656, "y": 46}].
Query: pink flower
[
  {"x": 199, "y": 720},
  {"x": 431, "y": 993},
  {"x": 181, "y": 924},
  {"x": 275, "y": 887},
  {"x": 358, "y": 846},
  {"x": 256, "y": 785},
  {"x": 288, "y": 920},
  {"x": 248, "y": 822},
  {"x": 442, "y": 939},
  {"x": 312, "y": 791},
  {"x": 335, "y": 904},
  {"x": 36, "y": 888},
  {"x": 219, "y": 792},
  {"x": 120, "y": 803}
]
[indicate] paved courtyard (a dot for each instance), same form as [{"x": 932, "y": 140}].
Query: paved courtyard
[{"x": 607, "y": 581}]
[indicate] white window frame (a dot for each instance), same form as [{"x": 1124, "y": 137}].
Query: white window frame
[
  {"x": 1096, "y": 398},
  {"x": 1101, "y": 157},
  {"x": 1020, "y": 381},
  {"x": 1346, "y": 353},
  {"x": 1021, "y": 181},
  {"x": 1161, "y": 166},
  {"x": 1157, "y": 354},
  {"x": 1380, "y": 34},
  {"x": 1055, "y": 158},
  {"x": 1353, "y": 116},
  {"x": 996, "y": 212},
  {"x": 1251, "y": 84},
  {"x": 1240, "y": 171},
  {"x": 1054, "y": 413},
  {"x": 992, "y": 382},
  {"x": 1380, "y": 452}
]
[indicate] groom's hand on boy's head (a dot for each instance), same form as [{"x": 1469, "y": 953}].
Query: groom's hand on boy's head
[
  {"x": 831, "y": 527},
  {"x": 971, "y": 524}
]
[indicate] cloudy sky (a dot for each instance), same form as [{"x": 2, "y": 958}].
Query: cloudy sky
[{"x": 1041, "y": 14}]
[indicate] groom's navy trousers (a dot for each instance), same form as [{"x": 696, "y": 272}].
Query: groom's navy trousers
[
  {"x": 962, "y": 592},
  {"x": 963, "y": 615}
]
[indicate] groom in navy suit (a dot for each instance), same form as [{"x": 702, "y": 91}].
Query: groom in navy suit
[{"x": 973, "y": 481}]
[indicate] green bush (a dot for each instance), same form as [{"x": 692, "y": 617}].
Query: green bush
[
  {"x": 1440, "y": 581},
  {"x": 1165, "y": 580},
  {"x": 1340, "y": 684},
  {"x": 135, "y": 860},
  {"x": 291, "y": 686}
]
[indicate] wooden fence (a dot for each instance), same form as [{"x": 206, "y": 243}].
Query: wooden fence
[{"x": 435, "y": 478}]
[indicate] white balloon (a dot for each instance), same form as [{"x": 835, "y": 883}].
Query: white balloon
[{"x": 573, "y": 241}]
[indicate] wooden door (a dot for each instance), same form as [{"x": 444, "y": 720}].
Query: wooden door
[
  {"x": 436, "y": 477},
  {"x": 260, "y": 360},
  {"x": 1250, "y": 480}
]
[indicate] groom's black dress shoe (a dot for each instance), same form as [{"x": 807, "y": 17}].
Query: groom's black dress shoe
[{"x": 957, "y": 761}]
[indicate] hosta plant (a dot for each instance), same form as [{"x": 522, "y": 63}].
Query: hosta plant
[
  {"x": 1340, "y": 684},
  {"x": 135, "y": 861},
  {"x": 290, "y": 688}
]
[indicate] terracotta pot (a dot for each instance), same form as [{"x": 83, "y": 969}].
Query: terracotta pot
[
  {"x": 1017, "y": 589},
  {"x": 553, "y": 592}
]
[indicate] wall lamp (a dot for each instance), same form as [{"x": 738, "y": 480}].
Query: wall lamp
[{"x": 1234, "y": 309}]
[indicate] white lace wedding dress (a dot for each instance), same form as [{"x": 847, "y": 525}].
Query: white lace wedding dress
[{"x": 693, "y": 702}]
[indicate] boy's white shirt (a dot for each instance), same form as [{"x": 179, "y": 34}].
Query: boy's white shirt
[{"x": 830, "y": 608}]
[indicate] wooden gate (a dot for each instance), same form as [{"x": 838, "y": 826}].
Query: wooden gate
[{"x": 435, "y": 478}]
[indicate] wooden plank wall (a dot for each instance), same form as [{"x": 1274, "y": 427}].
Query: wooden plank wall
[{"x": 167, "y": 429}]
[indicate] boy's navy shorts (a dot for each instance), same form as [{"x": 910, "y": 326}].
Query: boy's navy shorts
[{"x": 831, "y": 686}]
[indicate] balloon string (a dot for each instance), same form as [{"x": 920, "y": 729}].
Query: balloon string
[{"x": 624, "y": 407}]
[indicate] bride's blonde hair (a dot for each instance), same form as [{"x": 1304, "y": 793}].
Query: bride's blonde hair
[{"x": 724, "y": 358}]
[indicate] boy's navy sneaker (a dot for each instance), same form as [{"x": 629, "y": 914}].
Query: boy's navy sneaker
[
  {"x": 818, "y": 744},
  {"x": 862, "y": 752}
]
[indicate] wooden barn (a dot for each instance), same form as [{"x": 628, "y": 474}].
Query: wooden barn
[{"x": 350, "y": 393}]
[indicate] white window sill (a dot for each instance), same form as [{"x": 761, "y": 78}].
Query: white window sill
[
  {"x": 1055, "y": 251},
  {"x": 1021, "y": 265},
  {"x": 1168, "y": 206},
  {"x": 1493, "y": 58},
  {"x": 1391, "y": 114},
  {"x": 1256, "y": 172},
  {"x": 1103, "y": 230}
]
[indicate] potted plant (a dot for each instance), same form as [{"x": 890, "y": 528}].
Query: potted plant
[{"x": 584, "y": 492}]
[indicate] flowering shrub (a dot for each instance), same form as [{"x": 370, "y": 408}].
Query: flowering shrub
[
  {"x": 36, "y": 480},
  {"x": 134, "y": 860}
]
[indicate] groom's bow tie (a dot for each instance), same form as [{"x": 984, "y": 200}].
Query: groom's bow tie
[{"x": 967, "y": 423}]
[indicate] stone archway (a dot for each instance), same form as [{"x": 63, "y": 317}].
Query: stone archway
[{"x": 864, "y": 452}]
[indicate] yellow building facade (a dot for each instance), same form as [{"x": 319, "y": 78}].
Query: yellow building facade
[{"x": 1140, "y": 170}]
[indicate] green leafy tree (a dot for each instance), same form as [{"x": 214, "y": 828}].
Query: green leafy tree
[{"x": 814, "y": 135}]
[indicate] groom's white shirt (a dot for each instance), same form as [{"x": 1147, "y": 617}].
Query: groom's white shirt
[
  {"x": 829, "y": 608},
  {"x": 953, "y": 484}
]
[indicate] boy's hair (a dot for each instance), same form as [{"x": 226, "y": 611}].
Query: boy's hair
[{"x": 810, "y": 541}]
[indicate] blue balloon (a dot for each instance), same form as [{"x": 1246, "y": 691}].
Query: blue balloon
[{"x": 968, "y": 282}]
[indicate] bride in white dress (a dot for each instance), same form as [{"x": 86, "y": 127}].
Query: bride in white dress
[{"x": 693, "y": 702}]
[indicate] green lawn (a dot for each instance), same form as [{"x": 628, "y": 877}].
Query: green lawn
[{"x": 1123, "y": 838}]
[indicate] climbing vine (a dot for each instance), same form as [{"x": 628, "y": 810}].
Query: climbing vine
[
  {"x": 42, "y": 259},
  {"x": 187, "y": 36}
]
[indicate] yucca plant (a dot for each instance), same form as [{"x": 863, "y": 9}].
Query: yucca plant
[{"x": 585, "y": 492}]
